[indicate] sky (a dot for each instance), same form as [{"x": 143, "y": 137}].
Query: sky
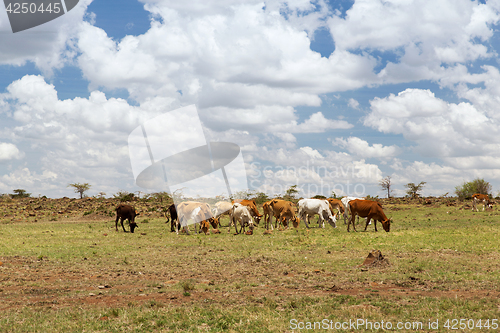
[{"x": 326, "y": 95}]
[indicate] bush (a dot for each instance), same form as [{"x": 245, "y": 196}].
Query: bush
[{"x": 467, "y": 189}]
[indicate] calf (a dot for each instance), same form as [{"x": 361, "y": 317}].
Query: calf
[
  {"x": 481, "y": 198},
  {"x": 126, "y": 212},
  {"x": 370, "y": 210},
  {"x": 268, "y": 214},
  {"x": 242, "y": 214},
  {"x": 173, "y": 217}
]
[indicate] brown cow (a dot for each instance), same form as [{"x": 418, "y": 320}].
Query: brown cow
[
  {"x": 336, "y": 204},
  {"x": 252, "y": 207},
  {"x": 481, "y": 198},
  {"x": 126, "y": 212},
  {"x": 370, "y": 210},
  {"x": 284, "y": 211},
  {"x": 268, "y": 214}
]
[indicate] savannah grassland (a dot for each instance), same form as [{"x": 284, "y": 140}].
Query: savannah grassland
[{"x": 65, "y": 269}]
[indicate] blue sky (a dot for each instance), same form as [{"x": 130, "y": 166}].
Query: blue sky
[{"x": 326, "y": 95}]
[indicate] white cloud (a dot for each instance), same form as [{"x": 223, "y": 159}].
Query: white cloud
[
  {"x": 239, "y": 55},
  {"x": 49, "y": 46},
  {"x": 9, "y": 151},
  {"x": 439, "y": 128},
  {"x": 272, "y": 119},
  {"x": 363, "y": 149},
  {"x": 423, "y": 35},
  {"x": 352, "y": 103}
]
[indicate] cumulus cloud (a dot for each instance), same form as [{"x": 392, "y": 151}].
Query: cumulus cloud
[
  {"x": 238, "y": 55},
  {"x": 9, "y": 151},
  {"x": 49, "y": 46},
  {"x": 422, "y": 35},
  {"x": 271, "y": 119},
  {"x": 362, "y": 148},
  {"x": 439, "y": 128}
]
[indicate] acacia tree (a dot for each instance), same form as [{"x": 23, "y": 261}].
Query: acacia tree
[
  {"x": 291, "y": 192},
  {"x": 385, "y": 183},
  {"x": 20, "y": 193},
  {"x": 80, "y": 188},
  {"x": 413, "y": 189}
]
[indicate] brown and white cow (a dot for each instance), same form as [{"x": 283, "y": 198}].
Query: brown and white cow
[
  {"x": 241, "y": 214},
  {"x": 126, "y": 212},
  {"x": 481, "y": 199},
  {"x": 252, "y": 207},
  {"x": 370, "y": 210},
  {"x": 284, "y": 212},
  {"x": 198, "y": 212},
  {"x": 336, "y": 204}
]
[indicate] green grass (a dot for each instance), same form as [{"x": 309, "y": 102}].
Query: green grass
[{"x": 444, "y": 264}]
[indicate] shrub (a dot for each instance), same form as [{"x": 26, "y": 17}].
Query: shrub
[{"x": 467, "y": 189}]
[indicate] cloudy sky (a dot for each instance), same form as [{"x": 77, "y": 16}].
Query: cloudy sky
[{"x": 328, "y": 95}]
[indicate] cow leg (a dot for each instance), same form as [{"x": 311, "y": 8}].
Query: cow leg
[
  {"x": 116, "y": 223},
  {"x": 123, "y": 226},
  {"x": 351, "y": 221},
  {"x": 305, "y": 217},
  {"x": 368, "y": 221}
]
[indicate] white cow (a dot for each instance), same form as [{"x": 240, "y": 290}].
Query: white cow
[
  {"x": 223, "y": 208},
  {"x": 311, "y": 207},
  {"x": 242, "y": 214},
  {"x": 198, "y": 212},
  {"x": 345, "y": 201}
]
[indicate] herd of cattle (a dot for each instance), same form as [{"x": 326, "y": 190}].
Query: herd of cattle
[{"x": 245, "y": 213}]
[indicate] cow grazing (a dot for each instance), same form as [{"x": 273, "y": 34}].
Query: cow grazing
[
  {"x": 198, "y": 212},
  {"x": 370, "y": 210},
  {"x": 311, "y": 207},
  {"x": 345, "y": 202},
  {"x": 172, "y": 211},
  {"x": 284, "y": 212},
  {"x": 222, "y": 208},
  {"x": 242, "y": 214},
  {"x": 252, "y": 208},
  {"x": 481, "y": 199},
  {"x": 337, "y": 204},
  {"x": 126, "y": 212}
]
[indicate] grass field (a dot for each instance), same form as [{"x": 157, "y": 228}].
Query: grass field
[{"x": 72, "y": 275}]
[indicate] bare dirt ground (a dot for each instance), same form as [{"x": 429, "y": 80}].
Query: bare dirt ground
[{"x": 35, "y": 283}]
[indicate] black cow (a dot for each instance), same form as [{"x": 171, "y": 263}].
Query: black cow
[
  {"x": 173, "y": 215},
  {"x": 126, "y": 212}
]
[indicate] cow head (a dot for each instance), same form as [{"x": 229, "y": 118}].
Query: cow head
[
  {"x": 132, "y": 223},
  {"x": 257, "y": 219},
  {"x": 296, "y": 222},
  {"x": 214, "y": 221},
  {"x": 386, "y": 224}
]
